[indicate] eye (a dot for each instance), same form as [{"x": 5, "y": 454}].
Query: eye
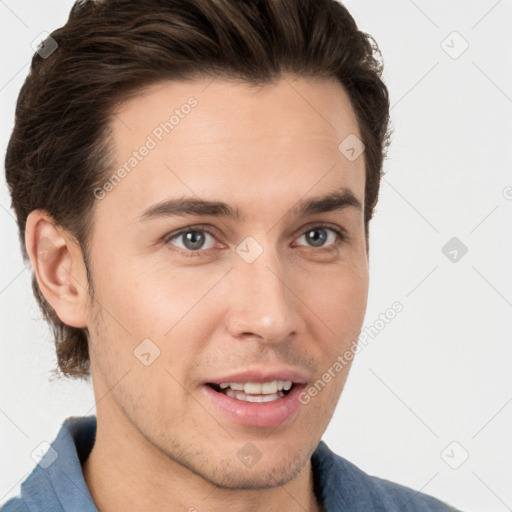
[
  {"x": 317, "y": 236},
  {"x": 194, "y": 239}
]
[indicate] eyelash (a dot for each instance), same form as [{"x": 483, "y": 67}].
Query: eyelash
[{"x": 341, "y": 234}]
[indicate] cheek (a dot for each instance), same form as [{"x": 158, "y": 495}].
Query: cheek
[
  {"x": 338, "y": 296},
  {"x": 140, "y": 317},
  {"x": 153, "y": 301},
  {"x": 338, "y": 304},
  {"x": 169, "y": 306}
]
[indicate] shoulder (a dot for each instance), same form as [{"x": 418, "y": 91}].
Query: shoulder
[
  {"x": 56, "y": 483},
  {"x": 344, "y": 486},
  {"x": 405, "y": 498},
  {"x": 15, "y": 505},
  {"x": 37, "y": 493}
]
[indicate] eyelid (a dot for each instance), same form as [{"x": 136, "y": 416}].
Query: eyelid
[{"x": 342, "y": 232}]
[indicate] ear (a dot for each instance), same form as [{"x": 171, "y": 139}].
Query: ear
[{"x": 59, "y": 268}]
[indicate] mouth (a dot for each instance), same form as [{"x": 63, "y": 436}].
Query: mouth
[
  {"x": 256, "y": 398},
  {"x": 255, "y": 392}
]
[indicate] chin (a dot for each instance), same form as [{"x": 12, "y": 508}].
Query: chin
[
  {"x": 252, "y": 469},
  {"x": 257, "y": 477}
]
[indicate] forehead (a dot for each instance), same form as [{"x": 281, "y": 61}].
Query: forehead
[{"x": 216, "y": 137}]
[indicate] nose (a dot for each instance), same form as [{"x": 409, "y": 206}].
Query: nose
[{"x": 263, "y": 302}]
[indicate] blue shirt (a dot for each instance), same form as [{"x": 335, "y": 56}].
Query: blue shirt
[{"x": 57, "y": 484}]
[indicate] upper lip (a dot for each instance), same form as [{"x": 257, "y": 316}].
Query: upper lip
[{"x": 262, "y": 375}]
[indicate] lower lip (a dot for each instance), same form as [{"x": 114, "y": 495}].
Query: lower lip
[{"x": 257, "y": 414}]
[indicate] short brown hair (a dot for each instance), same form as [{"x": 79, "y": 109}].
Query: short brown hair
[{"x": 58, "y": 152}]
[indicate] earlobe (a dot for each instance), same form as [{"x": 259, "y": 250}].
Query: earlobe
[{"x": 59, "y": 268}]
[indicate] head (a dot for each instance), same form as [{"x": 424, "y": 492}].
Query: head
[{"x": 249, "y": 104}]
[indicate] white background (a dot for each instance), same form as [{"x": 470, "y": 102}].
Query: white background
[{"x": 440, "y": 371}]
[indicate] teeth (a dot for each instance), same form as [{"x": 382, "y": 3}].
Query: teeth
[
  {"x": 252, "y": 388},
  {"x": 268, "y": 387},
  {"x": 258, "y": 388},
  {"x": 239, "y": 395}
]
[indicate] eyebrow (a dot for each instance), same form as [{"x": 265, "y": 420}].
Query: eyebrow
[{"x": 178, "y": 207}]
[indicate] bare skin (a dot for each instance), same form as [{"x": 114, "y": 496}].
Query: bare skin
[{"x": 161, "y": 444}]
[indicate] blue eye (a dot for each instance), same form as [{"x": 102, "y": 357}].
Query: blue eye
[
  {"x": 194, "y": 238},
  {"x": 318, "y": 235}
]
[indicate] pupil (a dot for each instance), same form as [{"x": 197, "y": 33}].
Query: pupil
[
  {"x": 193, "y": 240},
  {"x": 317, "y": 240}
]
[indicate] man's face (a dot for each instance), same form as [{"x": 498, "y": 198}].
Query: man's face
[{"x": 273, "y": 295}]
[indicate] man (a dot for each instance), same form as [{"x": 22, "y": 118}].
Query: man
[{"x": 193, "y": 182}]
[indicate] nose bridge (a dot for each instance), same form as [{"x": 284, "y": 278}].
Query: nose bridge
[{"x": 262, "y": 304}]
